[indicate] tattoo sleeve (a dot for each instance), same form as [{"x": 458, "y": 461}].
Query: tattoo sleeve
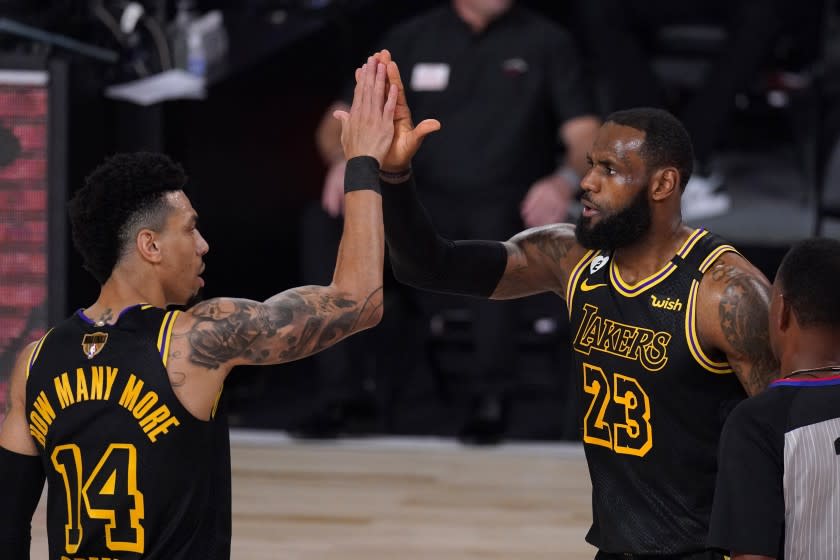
[
  {"x": 536, "y": 260},
  {"x": 742, "y": 311},
  {"x": 290, "y": 325}
]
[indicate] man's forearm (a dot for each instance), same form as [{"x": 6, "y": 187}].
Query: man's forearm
[
  {"x": 423, "y": 259},
  {"x": 361, "y": 252}
]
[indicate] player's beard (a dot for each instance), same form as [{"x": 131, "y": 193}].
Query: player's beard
[{"x": 621, "y": 229}]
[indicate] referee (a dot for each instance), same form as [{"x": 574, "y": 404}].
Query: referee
[{"x": 778, "y": 483}]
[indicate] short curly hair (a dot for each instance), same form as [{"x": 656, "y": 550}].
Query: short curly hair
[
  {"x": 667, "y": 142},
  {"x": 121, "y": 196},
  {"x": 808, "y": 277}
]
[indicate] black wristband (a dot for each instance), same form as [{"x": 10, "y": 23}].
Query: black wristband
[{"x": 362, "y": 173}]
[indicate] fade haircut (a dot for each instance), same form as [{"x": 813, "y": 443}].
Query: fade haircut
[
  {"x": 808, "y": 277},
  {"x": 667, "y": 143},
  {"x": 123, "y": 195}
]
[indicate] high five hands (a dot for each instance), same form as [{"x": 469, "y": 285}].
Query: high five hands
[
  {"x": 368, "y": 129},
  {"x": 407, "y": 138}
]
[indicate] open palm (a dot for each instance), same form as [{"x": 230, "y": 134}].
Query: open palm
[{"x": 407, "y": 137}]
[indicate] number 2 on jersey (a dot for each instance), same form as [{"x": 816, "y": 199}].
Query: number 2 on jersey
[
  {"x": 634, "y": 435},
  {"x": 104, "y": 495}
]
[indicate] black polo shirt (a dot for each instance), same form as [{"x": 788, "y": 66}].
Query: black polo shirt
[{"x": 500, "y": 95}]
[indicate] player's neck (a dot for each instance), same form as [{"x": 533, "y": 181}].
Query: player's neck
[
  {"x": 652, "y": 252},
  {"x": 119, "y": 292},
  {"x": 814, "y": 353},
  {"x": 477, "y": 21}
]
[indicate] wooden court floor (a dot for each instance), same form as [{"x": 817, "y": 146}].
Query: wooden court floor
[{"x": 401, "y": 499}]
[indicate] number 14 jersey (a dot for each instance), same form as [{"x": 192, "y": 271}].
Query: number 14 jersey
[
  {"x": 131, "y": 473},
  {"x": 652, "y": 401}
]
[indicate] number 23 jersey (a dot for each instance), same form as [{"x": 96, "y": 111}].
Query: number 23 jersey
[{"x": 652, "y": 401}]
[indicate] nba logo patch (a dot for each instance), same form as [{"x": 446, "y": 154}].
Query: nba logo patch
[
  {"x": 92, "y": 344},
  {"x": 598, "y": 263}
]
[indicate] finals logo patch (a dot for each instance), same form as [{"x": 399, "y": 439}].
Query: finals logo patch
[{"x": 93, "y": 343}]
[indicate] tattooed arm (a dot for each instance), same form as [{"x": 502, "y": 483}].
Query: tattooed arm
[
  {"x": 221, "y": 333},
  {"x": 536, "y": 260},
  {"x": 539, "y": 260},
  {"x": 216, "y": 335},
  {"x": 286, "y": 327},
  {"x": 213, "y": 337},
  {"x": 732, "y": 317}
]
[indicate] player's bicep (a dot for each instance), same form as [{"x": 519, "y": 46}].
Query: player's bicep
[
  {"x": 539, "y": 260},
  {"x": 733, "y": 318},
  {"x": 14, "y": 432},
  {"x": 290, "y": 325}
]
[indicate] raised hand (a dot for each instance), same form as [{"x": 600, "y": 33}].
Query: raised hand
[
  {"x": 407, "y": 137},
  {"x": 368, "y": 129}
]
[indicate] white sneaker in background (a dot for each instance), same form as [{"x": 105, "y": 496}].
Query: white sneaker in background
[{"x": 704, "y": 197}]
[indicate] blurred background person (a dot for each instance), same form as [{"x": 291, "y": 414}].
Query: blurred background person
[
  {"x": 732, "y": 41},
  {"x": 508, "y": 87}
]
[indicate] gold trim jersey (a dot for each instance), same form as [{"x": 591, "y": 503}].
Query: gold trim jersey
[
  {"x": 652, "y": 400},
  {"x": 131, "y": 473}
]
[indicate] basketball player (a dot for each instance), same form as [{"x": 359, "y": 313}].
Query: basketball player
[
  {"x": 778, "y": 486},
  {"x": 669, "y": 322},
  {"x": 115, "y": 405}
]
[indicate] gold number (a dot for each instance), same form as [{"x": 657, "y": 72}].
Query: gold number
[
  {"x": 634, "y": 436},
  {"x": 595, "y": 383},
  {"x": 104, "y": 495},
  {"x": 67, "y": 460}
]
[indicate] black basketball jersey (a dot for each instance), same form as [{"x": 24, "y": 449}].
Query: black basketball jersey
[
  {"x": 653, "y": 402},
  {"x": 131, "y": 473}
]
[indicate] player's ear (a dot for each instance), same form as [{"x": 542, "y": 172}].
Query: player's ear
[
  {"x": 665, "y": 183},
  {"x": 786, "y": 314},
  {"x": 148, "y": 245}
]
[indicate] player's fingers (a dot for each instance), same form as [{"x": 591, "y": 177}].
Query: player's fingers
[
  {"x": 425, "y": 128},
  {"x": 379, "y": 86},
  {"x": 390, "y": 103},
  {"x": 384, "y": 56},
  {"x": 370, "y": 77},
  {"x": 358, "y": 91},
  {"x": 394, "y": 76}
]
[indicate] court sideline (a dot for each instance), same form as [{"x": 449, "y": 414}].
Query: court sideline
[{"x": 407, "y": 498}]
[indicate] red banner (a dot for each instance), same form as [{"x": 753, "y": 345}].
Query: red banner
[{"x": 23, "y": 218}]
